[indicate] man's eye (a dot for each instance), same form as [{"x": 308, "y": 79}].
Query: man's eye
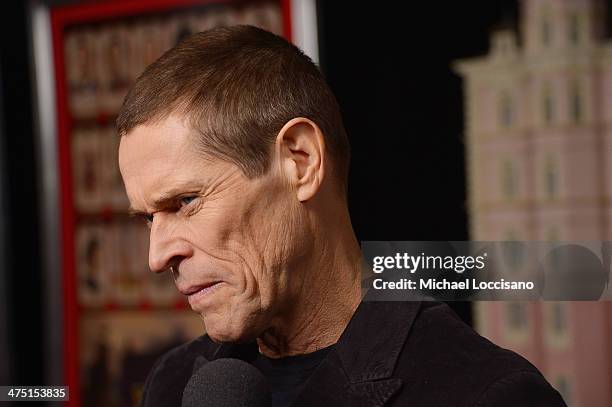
[
  {"x": 186, "y": 200},
  {"x": 148, "y": 217}
]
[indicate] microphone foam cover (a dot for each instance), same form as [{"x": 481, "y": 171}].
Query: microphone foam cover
[{"x": 227, "y": 383}]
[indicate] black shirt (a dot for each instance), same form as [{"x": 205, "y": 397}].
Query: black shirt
[
  {"x": 391, "y": 354},
  {"x": 286, "y": 376}
]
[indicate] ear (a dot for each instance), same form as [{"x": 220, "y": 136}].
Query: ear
[{"x": 300, "y": 148}]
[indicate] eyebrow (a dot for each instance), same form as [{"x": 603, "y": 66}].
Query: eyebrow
[{"x": 164, "y": 200}]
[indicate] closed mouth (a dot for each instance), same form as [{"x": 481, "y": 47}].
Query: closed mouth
[{"x": 197, "y": 288}]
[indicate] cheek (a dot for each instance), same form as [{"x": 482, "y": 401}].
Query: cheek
[
  {"x": 211, "y": 232},
  {"x": 222, "y": 237},
  {"x": 252, "y": 237},
  {"x": 274, "y": 242}
]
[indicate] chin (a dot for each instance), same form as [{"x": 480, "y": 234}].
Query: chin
[{"x": 221, "y": 331}]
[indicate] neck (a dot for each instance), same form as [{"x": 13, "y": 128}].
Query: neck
[{"x": 324, "y": 300}]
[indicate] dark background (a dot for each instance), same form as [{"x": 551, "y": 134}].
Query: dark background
[
  {"x": 22, "y": 269},
  {"x": 389, "y": 66}
]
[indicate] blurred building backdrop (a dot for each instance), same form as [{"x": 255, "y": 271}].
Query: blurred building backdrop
[{"x": 539, "y": 158}]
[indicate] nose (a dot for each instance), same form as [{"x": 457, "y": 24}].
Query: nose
[{"x": 166, "y": 245}]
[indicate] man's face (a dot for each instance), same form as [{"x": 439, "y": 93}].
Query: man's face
[{"x": 231, "y": 239}]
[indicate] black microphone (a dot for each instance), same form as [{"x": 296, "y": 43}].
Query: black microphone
[{"x": 227, "y": 383}]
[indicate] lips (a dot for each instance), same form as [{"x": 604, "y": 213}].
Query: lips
[{"x": 190, "y": 290}]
